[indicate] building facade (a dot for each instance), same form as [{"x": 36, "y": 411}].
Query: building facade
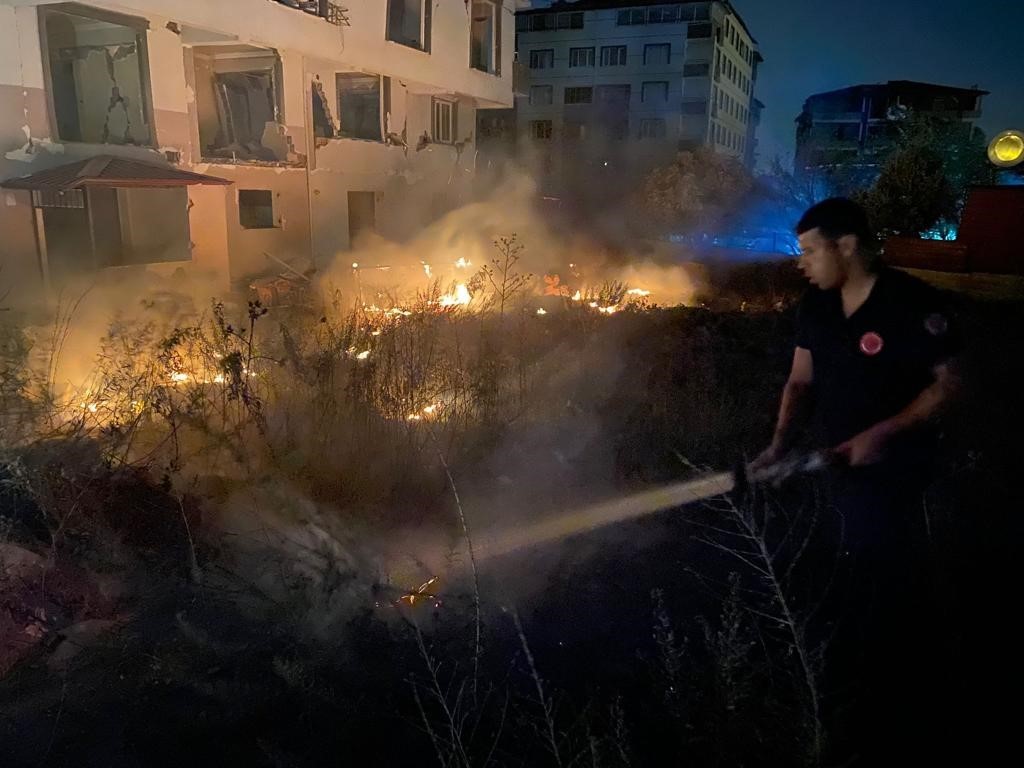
[
  {"x": 855, "y": 127},
  {"x": 227, "y": 137},
  {"x": 628, "y": 83}
]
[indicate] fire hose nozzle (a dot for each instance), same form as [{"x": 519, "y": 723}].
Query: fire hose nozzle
[{"x": 798, "y": 463}]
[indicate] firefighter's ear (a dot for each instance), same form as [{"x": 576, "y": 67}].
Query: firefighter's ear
[{"x": 847, "y": 245}]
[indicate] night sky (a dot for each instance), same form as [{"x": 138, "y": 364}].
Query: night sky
[{"x": 820, "y": 45}]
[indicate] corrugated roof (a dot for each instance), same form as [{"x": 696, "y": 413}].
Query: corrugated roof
[{"x": 109, "y": 171}]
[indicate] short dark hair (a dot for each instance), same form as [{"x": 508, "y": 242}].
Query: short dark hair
[{"x": 836, "y": 217}]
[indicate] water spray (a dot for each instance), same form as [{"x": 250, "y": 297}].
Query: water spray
[{"x": 641, "y": 504}]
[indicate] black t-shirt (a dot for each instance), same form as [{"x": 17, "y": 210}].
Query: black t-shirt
[{"x": 872, "y": 365}]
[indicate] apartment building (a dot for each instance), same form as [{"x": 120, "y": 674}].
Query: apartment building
[
  {"x": 630, "y": 82},
  {"x": 856, "y": 126},
  {"x": 189, "y": 134}
]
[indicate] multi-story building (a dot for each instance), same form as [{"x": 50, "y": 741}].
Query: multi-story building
[
  {"x": 627, "y": 83},
  {"x": 855, "y": 127},
  {"x": 157, "y": 135}
]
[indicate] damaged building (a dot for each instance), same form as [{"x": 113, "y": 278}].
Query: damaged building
[{"x": 225, "y": 138}]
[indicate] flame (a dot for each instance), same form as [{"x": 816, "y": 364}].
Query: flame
[
  {"x": 426, "y": 413},
  {"x": 459, "y": 297},
  {"x": 609, "y": 310},
  {"x": 463, "y": 263},
  {"x": 578, "y": 296},
  {"x": 426, "y": 269},
  {"x": 638, "y": 292},
  {"x": 542, "y": 311},
  {"x": 363, "y": 355},
  {"x": 179, "y": 377}
]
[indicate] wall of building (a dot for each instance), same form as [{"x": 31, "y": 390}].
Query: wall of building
[
  {"x": 310, "y": 204},
  {"x": 725, "y": 128}
]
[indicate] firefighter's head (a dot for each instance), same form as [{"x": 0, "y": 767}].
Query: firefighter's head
[{"x": 835, "y": 238}]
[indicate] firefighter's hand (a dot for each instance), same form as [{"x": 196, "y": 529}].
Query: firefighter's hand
[
  {"x": 865, "y": 449},
  {"x": 771, "y": 455}
]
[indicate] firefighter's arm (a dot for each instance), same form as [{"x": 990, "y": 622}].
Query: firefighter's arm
[
  {"x": 869, "y": 446},
  {"x": 796, "y": 399}
]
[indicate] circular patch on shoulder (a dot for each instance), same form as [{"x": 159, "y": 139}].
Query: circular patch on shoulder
[
  {"x": 871, "y": 343},
  {"x": 936, "y": 324}
]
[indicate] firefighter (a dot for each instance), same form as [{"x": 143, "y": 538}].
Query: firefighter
[{"x": 875, "y": 361}]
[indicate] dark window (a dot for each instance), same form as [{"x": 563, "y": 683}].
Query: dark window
[
  {"x": 570, "y": 20},
  {"x": 652, "y": 128},
  {"x": 483, "y": 40},
  {"x": 574, "y": 130},
  {"x": 256, "y": 208},
  {"x": 409, "y": 23},
  {"x": 613, "y": 56},
  {"x": 362, "y": 214},
  {"x": 697, "y": 69},
  {"x": 581, "y": 57},
  {"x": 616, "y": 96},
  {"x": 695, "y": 107},
  {"x": 657, "y": 55},
  {"x": 540, "y": 129},
  {"x": 239, "y": 104},
  {"x": 98, "y": 79},
  {"x": 580, "y": 95},
  {"x": 654, "y": 92},
  {"x": 540, "y": 95},
  {"x": 359, "y": 106},
  {"x": 698, "y": 31},
  {"x": 633, "y": 16},
  {"x": 664, "y": 15},
  {"x": 542, "y": 59}
]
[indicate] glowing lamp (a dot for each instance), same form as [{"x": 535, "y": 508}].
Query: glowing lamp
[{"x": 1007, "y": 149}]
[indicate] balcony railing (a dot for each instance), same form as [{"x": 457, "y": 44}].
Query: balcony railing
[{"x": 328, "y": 11}]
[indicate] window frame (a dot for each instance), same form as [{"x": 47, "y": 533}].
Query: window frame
[
  {"x": 578, "y": 88},
  {"x": 437, "y": 106},
  {"x": 426, "y": 24},
  {"x": 141, "y": 27},
  {"x": 592, "y": 58},
  {"x": 647, "y": 122},
  {"x": 644, "y": 86},
  {"x": 617, "y": 48},
  {"x": 494, "y": 66},
  {"x": 649, "y": 47},
  {"x": 550, "y": 58},
  {"x": 550, "y": 95},
  {"x": 534, "y": 124},
  {"x": 381, "y": 108},
  {"x": 273, "y": 217}
]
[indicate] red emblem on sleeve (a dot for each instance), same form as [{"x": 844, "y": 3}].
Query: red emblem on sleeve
[{"x": 871, "y": 343}]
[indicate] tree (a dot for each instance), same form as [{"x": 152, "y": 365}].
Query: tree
[
  {"x": 694, "y": 192},
  {"x": 912, "y": 193},
  {"x": 960, "y": 146}
]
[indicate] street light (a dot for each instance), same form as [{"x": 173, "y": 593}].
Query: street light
[{"x": 1007, "y": 149}]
